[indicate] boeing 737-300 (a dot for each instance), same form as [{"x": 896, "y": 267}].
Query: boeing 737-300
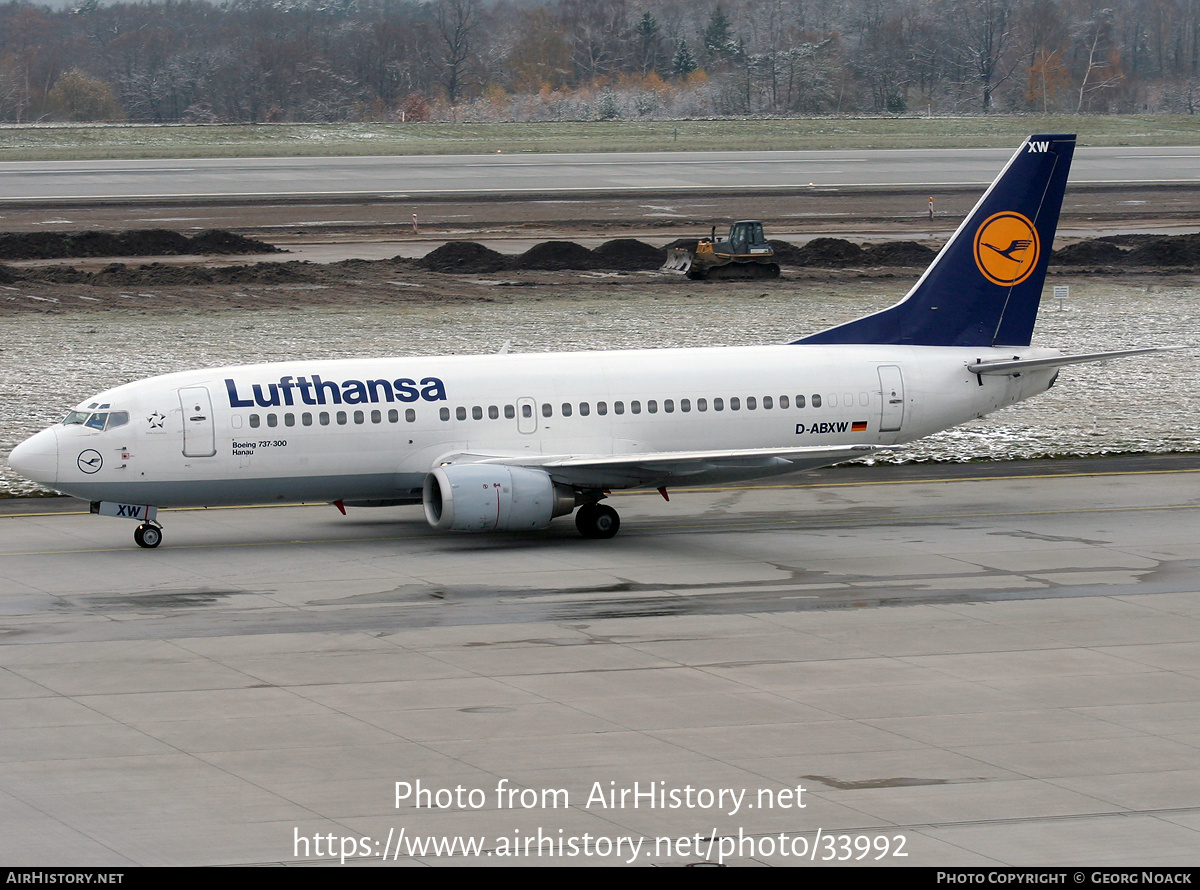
[{"x": 508, "y": 442}]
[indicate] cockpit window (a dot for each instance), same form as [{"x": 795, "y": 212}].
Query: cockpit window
[{"x": 97, "y": 420}]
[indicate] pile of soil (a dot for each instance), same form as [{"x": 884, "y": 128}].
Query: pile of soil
[
  {"x": 465, "y": 257},
  {"x": 1173, "y": 250},
  {"x": 1124, "y": 251},
  {"x": 161, "y": 274},
  {"x": 1090, "y": 253},
  {"x": 629, "y": 255},
  {"x": 470, "y": 258},
  {"x": 136, "y": 242},
  {"x": 898, "y": 253},
  {"x": 829, "y": 252},
  {"x": 556, "y": 256},
  {"x": 787, "y": 254}
]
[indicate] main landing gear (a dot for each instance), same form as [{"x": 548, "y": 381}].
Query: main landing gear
[
  {"x": 597, "y": 521},
  {"x": 148, "y": 534}
]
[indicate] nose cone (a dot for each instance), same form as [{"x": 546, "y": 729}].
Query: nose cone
[{"x": 37, "y": 457}]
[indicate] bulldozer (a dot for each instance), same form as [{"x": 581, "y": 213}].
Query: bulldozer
[{"x": 746, "y": 253}]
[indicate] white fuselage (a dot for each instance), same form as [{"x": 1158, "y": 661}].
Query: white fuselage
[{"x": 372, "y": 429}]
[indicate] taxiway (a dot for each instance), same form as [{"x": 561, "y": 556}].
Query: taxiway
[{"x": 997, "y": 663}]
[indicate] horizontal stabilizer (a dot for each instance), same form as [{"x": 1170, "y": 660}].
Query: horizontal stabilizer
[{"x": 1016, "y": 366}]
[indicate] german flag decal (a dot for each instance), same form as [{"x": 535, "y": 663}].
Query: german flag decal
[{"x": 859, "y": 426}]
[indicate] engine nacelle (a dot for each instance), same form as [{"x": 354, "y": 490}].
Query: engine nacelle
[{"x": 493, "y": 497}]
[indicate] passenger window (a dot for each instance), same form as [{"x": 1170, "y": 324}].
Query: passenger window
[
  {"x": 864, "y": 399},
  {"x": 272, "y": 420},
  {"x": 341, "y": 418},
  {"x": 493, "y": 412},
  {"x": 444, "y": 413},
  {"x": 584, "y": 409},
  {"x": 701, "y": 404},
  {"x": 751, "y": 403},
  {"x": 254, "y": 421},
  {"x": 510, "y": 412},
  {"x": 393, "y": 415},
  {"x": 832, "y": 397},
  {"x": 816, "y": 400},
  {"x": 635, "y": 407},
  {"x": 769, "y": 403},
  {"x": 323, "y": 417},
  {"x": 460, "y": 412},
  {"x": 306, "y": 418},
  {"x": 735, "y": 404},
  {"x": 652, "y": 407},
  {"x": 359, "y": 417},
  {"x": 376, "y": 416},
  {"x": 799, "y": 401},
  {"x": 618, "y": 407},
  {"x": 602, "y": 408},
  {"x": 547, "y": 409},
  {"x": 783, "y": 402},
  {"x": 718, "y": 404},
  {"x": 685, "y": 405},
  {"x": 410, "y": 415},
  {"x": 668, "y": 406},
  {"x": 477, "y": 413},
  {"x": 289, "y": 419}
]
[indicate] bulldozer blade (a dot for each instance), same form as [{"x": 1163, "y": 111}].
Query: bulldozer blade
[{"x": 678, "y": 260}]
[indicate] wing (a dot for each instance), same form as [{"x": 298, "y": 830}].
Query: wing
[{"x": 667, "y": 468}]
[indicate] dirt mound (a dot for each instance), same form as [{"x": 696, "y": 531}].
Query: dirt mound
[
  {"x": 628, "y": 254},
  {"x": 898, "y": 253},
  {"x": 787, "y": 254},
  {"x": 136, "y": 242},
  {"x": 1090, "y": 253},
  {"x": 222, "y": 242},
  {"x": 1170, "y": 250},
  {"x": 684, "y": 244},
  {"x": 556, "y": 255},
  {"x": 161, "y": 274},
  {"x": 465, "y": 257},
  {"x": 829, "y": 252}
]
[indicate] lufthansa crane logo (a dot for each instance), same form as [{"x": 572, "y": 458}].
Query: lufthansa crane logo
[
  {"x": 1007, "y": 248},
  {"x": 90, "y": 461}
]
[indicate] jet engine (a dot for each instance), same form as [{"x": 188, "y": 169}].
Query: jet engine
[{"x": 493, "y": 497}]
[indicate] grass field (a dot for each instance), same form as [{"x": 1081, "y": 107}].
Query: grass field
[{"x": 91, "y": 141}]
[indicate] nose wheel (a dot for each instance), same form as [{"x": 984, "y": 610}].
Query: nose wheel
[
  {"x": 148, "y": 535},
  {"x": 597, "y": 521}
]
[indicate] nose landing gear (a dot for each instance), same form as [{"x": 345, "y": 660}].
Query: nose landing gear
[{"x": 148, "y": 535}]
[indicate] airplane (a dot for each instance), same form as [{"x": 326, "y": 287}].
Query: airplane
[{"x": 508, "y": 442}]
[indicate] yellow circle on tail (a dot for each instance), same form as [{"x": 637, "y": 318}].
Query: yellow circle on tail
[{"x": 1007, "y": 248}]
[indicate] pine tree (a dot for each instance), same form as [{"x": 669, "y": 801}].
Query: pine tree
[{"x": 683, "y": 62}]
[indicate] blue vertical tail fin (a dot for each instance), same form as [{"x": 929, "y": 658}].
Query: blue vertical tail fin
[{"x": 984, "y": 288}]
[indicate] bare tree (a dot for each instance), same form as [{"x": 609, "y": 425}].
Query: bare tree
[{"x": 457, "y": 23}]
